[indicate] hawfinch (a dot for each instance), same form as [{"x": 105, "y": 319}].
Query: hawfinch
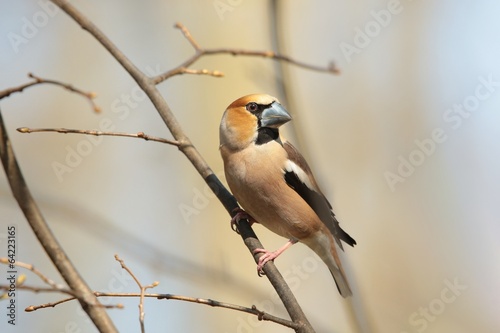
[{"x": 274, "y": 185}]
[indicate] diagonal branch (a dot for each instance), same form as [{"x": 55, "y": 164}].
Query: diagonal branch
[{"x": 148, "y": 85}]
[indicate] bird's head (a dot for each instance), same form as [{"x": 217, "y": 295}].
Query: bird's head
[{"x": 252, "y": 119}]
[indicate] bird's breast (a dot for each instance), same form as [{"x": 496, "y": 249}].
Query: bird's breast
[{"x": 256, "y": 178}]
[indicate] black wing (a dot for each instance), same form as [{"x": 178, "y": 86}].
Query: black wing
[{"x": 300, "y": 178}]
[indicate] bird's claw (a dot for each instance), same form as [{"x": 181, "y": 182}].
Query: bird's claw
[
  {"x": 240, "y": 215},
  {"x": 264, "y": 258}
]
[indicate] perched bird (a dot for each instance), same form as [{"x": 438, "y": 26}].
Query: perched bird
[{"x": 274, "y": 185}]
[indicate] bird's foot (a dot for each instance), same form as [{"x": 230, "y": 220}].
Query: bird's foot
[
  {"x": 270, "y": 255},
  {"x": 264, "y": 258},
  {"x": 240, "y": 215}
]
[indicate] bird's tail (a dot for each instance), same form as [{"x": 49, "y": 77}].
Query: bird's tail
[
  {"x": 325, "y": 249},
  {"x": 339, "y": 277}
]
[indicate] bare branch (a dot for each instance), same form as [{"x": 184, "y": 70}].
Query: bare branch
[
  {"x": 39, "y": 80},
  {"x": 148, "y": 85},
  {"x": 141, "y": 287},
  {"x": 139, "y": 135},
  {"x": 37, "y": 290},
  {"x": 331, "y": 68},
  {"x": 261, "y": 315},
  {"x": 188, "y": 36},
  {"x": 201, "y": 72},
  {"x": 32, "y": 308},
  {"x": 33, "y": 215},
  {"x": 200, "y": 52},
  {"x": 5, "y": 261}
]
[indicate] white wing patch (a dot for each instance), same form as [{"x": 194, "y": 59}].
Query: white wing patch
[{"x": 301, "y": 174}]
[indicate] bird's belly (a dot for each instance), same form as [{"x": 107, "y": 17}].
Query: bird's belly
[{"x": 261, "y": 190}]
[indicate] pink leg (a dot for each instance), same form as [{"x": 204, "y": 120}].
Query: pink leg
[
  {"x": 240, "y": 215},
  {"x": 268, "y": 255}
]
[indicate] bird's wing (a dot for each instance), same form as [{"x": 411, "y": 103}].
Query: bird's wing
[{"x": 299, "y": 177}]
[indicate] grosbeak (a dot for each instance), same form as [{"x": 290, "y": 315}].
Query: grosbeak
[{"x": 274, "y": 184}]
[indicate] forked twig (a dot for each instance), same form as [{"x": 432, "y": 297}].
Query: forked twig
[
  {"x": 141, "y": 287},
  {"x": 200, "y": 52}
]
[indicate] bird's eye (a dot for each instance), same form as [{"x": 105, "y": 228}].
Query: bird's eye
[{"x": 252, "y": 107}]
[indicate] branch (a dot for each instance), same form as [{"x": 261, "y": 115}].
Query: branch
[
  {"x": 261, "y": 315},
  {"x": 5, "y": 261},
  {"x": 200, "y": 52},
  {"x": 148, "y": 85},
  {"x": 21, "y": 193},
  {"x": 38, "y": 80},
  {"x": 141, "y": 287},
  {"x": 139, "y": 135},
  {"x": 253, "y": 310}
]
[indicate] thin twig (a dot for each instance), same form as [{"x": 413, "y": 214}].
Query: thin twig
[
  {"x": 261, "y": 315},
  {"x": 39, "y": 80},
  {"x": 141, "y": 287},
  {"x": 207, "y": 72},
  {"x": 32, "y": 308},
  {"x": 5, "y": 261},
  {"x": 331, "y": 68},
  {"x": 37, "y": 290},
  {"x": 188, "y": 36},
  {"x": 139, "y": 135},
  {"x": 200, "y": 52}
]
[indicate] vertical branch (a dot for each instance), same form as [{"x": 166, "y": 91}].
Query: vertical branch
[{"x": 21, "y": 193}]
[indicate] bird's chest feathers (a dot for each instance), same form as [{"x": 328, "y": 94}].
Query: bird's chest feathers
[
  {"x": 256, "y": 178},
  {"x": 256, "y": 168}
]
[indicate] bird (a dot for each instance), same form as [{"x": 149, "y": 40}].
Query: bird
[{"x": 274, "y": 185}]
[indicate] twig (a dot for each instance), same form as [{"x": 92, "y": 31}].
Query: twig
[
  {"x": 188, "y": 36},
  {"x": 200, "y": 72},
  {"x": 37, "y": 290},
  {"x": 148, "y": 85},
  {"x": 32, "y": 308},
  {"x": 5, "y": 261},
  {"x": 139, "y": 135},
  {"x": 33, "y": 215},
  {"x": 200, "y": 52},
  {"x": 141, "y": 287},
  {"x": 39, "y": 80},
  {"x": 261, "y": 315}
]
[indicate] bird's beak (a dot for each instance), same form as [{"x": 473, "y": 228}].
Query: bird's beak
[{"x": 274, "y": 116}]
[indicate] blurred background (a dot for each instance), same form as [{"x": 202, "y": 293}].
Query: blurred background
[{"x": 405, "y": 143}]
